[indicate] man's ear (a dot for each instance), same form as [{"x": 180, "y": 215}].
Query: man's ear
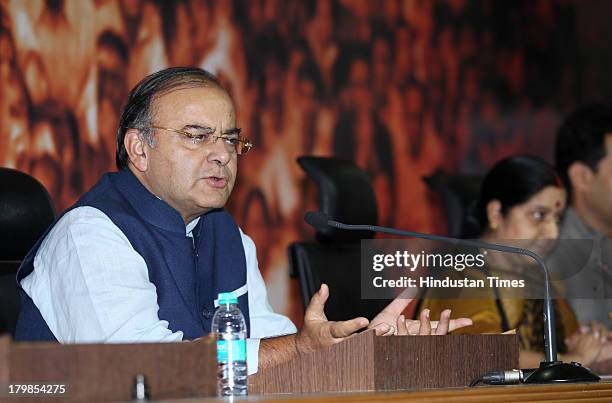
[
  {"x": 494, "y": 213},
  {"x": 580, "y": 177},
  {"x": 136, "y": 148}
]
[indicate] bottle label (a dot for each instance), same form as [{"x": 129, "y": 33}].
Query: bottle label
[{"x": 231, "y": 350}]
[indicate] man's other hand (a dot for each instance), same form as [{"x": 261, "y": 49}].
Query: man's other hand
[
  {"x": 390, "y": 321},
  {"x": 317, "y": 331}
]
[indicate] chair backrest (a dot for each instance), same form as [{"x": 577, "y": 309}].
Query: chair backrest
[
  {"x": 26, "y": 211},
  {"x": 458, "y": 193},
  {"x": 9, "y": 297},
  {"x": 345, "y": 194}
]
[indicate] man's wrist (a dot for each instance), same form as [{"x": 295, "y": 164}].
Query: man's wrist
[
  {"x": 295, "y": 344},
  {"x": 277, "y": 350},
  {"x": 303, "y": 343}
]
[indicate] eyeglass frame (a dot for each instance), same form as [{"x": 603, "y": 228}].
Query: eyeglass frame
[{"x": 246, "y": 144}]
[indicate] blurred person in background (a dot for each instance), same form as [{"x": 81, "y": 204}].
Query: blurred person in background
[
  {"x": 584, "y": 159},
  {"x": 14, "y": 106},
  {"x": 112, "y": 61},
  {"x": 521, "y": 204}
]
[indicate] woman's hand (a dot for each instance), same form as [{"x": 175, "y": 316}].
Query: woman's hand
[{"x": 587, "y": 345}]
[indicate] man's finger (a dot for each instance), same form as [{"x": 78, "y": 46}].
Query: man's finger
[
  {"x": 347, "y": 327},
  {"x": 454, "y": 323},
  {"x": 383, "y": 329},
  {"x": 413, "y": 326},
  {"x": 316, "y": 306},
  {"x": 459, "y": 323},
  {"x": 402, "y": 329},
  {"x": 397, "y": 306},
  {"x": 425, "y": 328},
  {"x": 443, "y": 324}
]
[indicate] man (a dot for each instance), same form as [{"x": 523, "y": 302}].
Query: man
[
  {"x": 142, "y": 256},
  {"x": 583, "y": 258}
]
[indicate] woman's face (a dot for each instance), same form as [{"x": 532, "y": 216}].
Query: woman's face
[{"x": 534, "y": 224}]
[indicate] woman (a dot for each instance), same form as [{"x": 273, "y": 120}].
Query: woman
[{"x": 521, "y": 203}]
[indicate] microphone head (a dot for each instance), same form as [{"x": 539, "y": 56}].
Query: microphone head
[{"x": 317, "y": 220}]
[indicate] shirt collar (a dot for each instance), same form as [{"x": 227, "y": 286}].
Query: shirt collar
[
  {"x": 575, "y": 227},
  {"x": 190, "y": 226}
]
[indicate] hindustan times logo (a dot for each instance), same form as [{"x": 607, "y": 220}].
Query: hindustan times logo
[{"x": 412, "y": 261}]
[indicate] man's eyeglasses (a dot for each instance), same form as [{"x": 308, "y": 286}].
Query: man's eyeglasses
[{"x": 203, "y": 135}]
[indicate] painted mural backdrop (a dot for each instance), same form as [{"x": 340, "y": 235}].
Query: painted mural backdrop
[{"x": 403, "y": 88}]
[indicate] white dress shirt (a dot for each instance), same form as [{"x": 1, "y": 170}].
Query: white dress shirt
[{"x": 91, "y": 286}]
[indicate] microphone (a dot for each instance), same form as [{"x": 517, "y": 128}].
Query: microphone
[
  {"x": 318, "y": 220},
  {"x": 550, "y": 370}
]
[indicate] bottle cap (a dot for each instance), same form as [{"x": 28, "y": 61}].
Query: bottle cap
[
  {"x": 140, "y": 392},
  {"x": 228, "y": 298}
]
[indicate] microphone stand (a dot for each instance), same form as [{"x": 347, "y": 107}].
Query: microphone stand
[{"x": 551, "y": 370}]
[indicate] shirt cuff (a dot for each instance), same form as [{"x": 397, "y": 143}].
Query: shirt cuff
[{"x": 252, "y": 355}]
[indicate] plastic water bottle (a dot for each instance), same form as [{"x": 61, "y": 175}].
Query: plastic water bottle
[{"x": 229, "y": 328}]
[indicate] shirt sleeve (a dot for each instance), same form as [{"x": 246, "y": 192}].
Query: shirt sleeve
[
  {"x": 264, "y": 321},
  {"x": 91, "y": 286}
]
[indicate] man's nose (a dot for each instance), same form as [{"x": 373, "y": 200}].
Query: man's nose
[{"x": 218, "y": 152}]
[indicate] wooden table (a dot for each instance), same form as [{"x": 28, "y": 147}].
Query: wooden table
[
  {"x": 596, "y": 392},
  {"x": 105, "y": 372}
]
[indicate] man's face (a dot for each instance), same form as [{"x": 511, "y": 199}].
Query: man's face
[
  {"x": 191, "y": 178},
  {"x": 599, "y": 197}
]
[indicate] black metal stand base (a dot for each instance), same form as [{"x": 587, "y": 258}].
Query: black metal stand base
[{"x": 559, "y": 372}]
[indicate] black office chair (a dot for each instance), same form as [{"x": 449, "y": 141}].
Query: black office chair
[
  {"x": 459, "y": 193},
  {"x": 345, "y": 194},
  {"x": 26, "y": 211}
]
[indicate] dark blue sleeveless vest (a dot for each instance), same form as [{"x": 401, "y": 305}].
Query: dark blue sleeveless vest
[{"x": 187, "y": 273}]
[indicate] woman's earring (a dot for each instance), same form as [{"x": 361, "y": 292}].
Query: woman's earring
[{"x": 493, "y": 225}]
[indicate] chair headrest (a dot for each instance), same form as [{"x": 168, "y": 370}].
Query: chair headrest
[
  {"x": 458, "y": 193},
  {"x": 26, "y": 211},
  {"x": 345, "y": 194}
]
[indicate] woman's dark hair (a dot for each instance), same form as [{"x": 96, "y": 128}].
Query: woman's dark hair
[
  {"x": 512, "y": 181},
  {"x": 138, "y": 113}
]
